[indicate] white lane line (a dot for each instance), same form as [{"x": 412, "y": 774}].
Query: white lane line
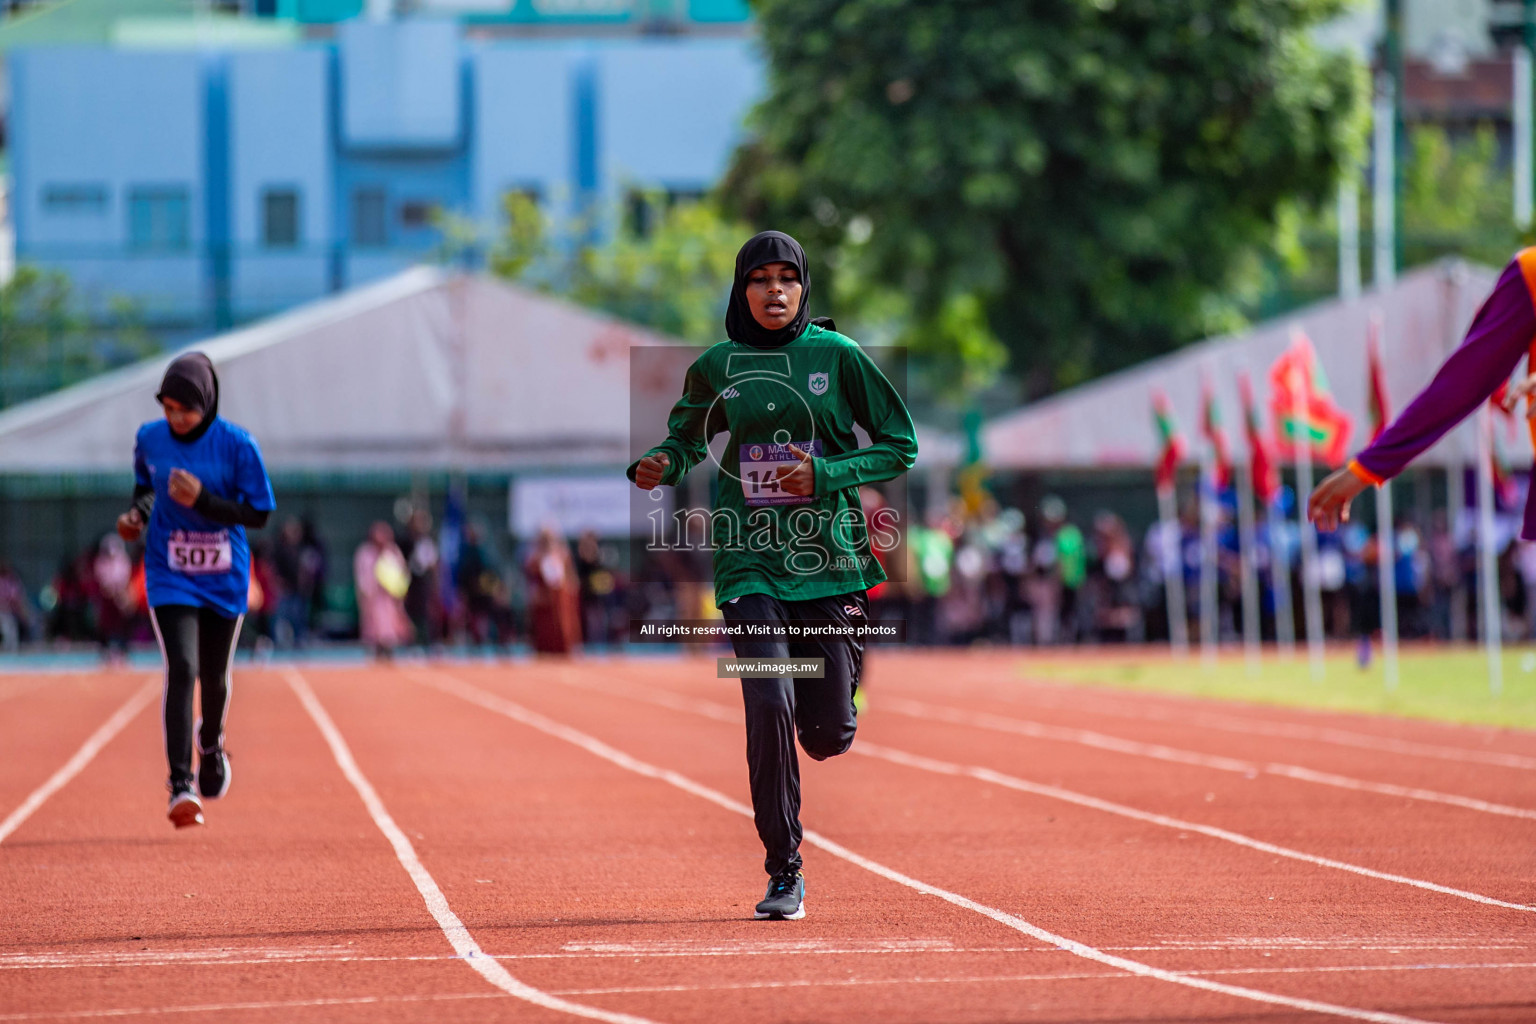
[
  {"x": 88, "y": 750},
  {"x": 974, "y": 979},
  {"x": 1100, "y": 741},
  {"x": 148, "y": 1011},
  {"x": 534, "y": 720},
  {"x": 1283, "y": 730},
  {"x": 571, "y": 951},
  {"x": 621, "y": 951},
  {"x": 168, "y": 957},
  {"x": 766, "y": 947},
  {"x": 636, "y": 990},
  {"x": 936, "y": 766},
  {"x": 721, "y": 712},
  {"x": 458, "y": 935},
  {"x": 959, "y": 979},
  {"x": 1102, "y": 975}
]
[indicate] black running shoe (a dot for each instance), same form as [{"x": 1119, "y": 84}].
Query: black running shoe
[
  {"x": 785, "y": 900},
  {"x": 213, "y": 773},
  {"x": 186, "y": 809}
]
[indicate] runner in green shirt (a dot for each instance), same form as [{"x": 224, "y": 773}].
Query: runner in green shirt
[{"x": 791, "y": 544}]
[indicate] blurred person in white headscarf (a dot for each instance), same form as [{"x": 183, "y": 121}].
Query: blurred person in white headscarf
[{"x": 114, "y": 610}]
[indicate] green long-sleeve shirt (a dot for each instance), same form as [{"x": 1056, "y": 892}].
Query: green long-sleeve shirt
[{"x": 810, "y": 393}]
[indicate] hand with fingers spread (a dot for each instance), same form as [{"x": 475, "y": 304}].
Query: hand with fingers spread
[
  {"x": 1329, "y": 504},
  {"x": 798, "y": 478},
  {"x": 651, "y": 470},
  {"x": 1524, "y": 389}
]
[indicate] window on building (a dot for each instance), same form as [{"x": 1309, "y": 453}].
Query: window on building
[
  {"x": 159, "y": 218},
  {"x": 370, "y": 225},
  {"x": 280, "y": 218},
  {"x": 416, "y": 214},
  {"x": 75, "y": 199}
]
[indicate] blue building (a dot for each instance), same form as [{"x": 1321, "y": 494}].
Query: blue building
[{"x": 216, "y": 185}]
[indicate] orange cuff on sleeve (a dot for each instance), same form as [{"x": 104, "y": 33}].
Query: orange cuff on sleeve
[{"x": 1364, "y": 474}]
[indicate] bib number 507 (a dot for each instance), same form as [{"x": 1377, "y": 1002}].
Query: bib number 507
[
  {"x": 196, "y": 559},
  {"x": 198, "y": 556}
]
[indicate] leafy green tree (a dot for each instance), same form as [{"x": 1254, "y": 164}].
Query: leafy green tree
[
  {"x": 1096, "y": 175},
  {"x": 1458, "y": 198},
  {"x": 672, "y": 277},
  {"x": 48, "y": 342},
  {"x": 524, "y": 242}
]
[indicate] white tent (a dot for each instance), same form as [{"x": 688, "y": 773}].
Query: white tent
[
  {"x": 424, "y": 370},
  {"x": 1108, "y": 423}
]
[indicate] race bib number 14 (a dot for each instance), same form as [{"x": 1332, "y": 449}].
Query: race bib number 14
[
  {"x": 198, "y": 554},
  {"x": 760, "y": 465}
]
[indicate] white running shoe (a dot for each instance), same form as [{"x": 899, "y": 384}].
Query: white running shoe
[{"x": 186, "y": 809}]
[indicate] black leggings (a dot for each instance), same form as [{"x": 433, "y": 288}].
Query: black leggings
[
  {"x": 819, "y": 711},
  {"x": 197, "y": 643}
]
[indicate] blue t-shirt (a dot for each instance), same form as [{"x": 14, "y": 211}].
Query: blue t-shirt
[{"x": 188, "y": 558}]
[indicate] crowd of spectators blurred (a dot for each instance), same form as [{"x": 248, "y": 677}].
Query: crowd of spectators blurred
[
  {"x": 986, "y": 575},
  {"x": 411, "y": 584},
  {"x": 972, "y": 573}
]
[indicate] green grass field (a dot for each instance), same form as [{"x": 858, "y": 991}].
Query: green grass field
[{"x": 1448, "y": 685}]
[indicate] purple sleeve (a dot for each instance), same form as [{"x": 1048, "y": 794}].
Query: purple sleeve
[{"x": 1500, "y": 334}]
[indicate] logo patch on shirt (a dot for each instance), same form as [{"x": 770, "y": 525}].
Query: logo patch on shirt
[
  {"x": 818, "y": 383},
  {"x": 730, "y": 393}
]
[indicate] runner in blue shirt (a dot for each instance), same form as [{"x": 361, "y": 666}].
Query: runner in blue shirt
[{"x": 199, "y": 481}]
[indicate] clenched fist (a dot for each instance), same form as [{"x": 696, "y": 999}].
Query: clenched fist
[
  {"x": 130, "y": 525},
  {"x": 800, "y": 477},
  {"x": 184, "y": 487},
  {"x": 651, "y": 469}
]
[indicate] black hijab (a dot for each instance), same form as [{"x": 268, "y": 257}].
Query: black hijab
[
  {"x": 740, "y": 324},
  {"x": 190, "y": 380}
]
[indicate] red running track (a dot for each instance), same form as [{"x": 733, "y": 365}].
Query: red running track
[{"x": 566, "y": 841}]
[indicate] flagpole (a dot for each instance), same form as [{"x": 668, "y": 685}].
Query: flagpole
[
  {"x": 1386, "y": 576},
  {"x": 1384, "y": 185},
  {"x": 1250, "y": 579},
  {"x": 1349, "y": 233},
  {"x": 1386, "y": 532},
  {"x": 1172, "y": 554},
  {"x": 1491, "y": 616},
  {"x": 1522, "y": 131},
  {"x": 1312, "y": 599},
  {"x": 1280, "y": 580},
  {"x": 1208, "y": 598}
]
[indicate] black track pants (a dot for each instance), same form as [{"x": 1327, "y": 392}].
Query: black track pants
[
  {"x": 819, "y": 711},
  {"x": 198, "y": 643}
]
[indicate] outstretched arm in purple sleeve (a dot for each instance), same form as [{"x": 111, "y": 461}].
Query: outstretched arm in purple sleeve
[{"x": 1500, "y": 334}]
